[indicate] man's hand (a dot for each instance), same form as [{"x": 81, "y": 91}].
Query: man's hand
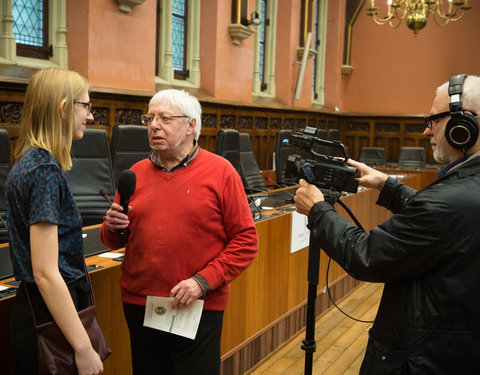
[
  {"x": 115, "y": 219},
  {"x": 368, "y": 177},
  {"x": 185, "y": 292},
  {"x": 306, "y": 196}
]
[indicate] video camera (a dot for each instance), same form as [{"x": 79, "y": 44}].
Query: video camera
[{"x": 323, "y": 171}]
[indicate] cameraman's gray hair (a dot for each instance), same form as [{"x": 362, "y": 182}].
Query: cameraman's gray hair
[
  {"x": 471, "y": 93},
  {"x": 183, "y": 101}
]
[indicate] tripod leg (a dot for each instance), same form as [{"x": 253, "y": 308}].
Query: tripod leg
[{"x": 309, "y": 344}]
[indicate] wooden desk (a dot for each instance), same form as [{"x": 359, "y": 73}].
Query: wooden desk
[{"x": 267, "y": 304}]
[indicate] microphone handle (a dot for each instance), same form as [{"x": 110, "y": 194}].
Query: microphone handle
[
  {"x": 124, "y": 203},
  {"x": 123, "y": 234}
]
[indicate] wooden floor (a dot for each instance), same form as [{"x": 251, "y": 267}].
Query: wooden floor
[{"x": 341, "y": 341}]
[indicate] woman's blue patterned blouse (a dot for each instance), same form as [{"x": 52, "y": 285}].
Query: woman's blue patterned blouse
[{"x": 36, "y": 191}]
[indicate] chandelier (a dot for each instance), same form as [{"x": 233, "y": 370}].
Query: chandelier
[{"x": 417, "y": 11}]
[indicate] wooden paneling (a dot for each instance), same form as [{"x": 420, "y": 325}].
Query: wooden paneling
[{"x": 262, "y": 123}]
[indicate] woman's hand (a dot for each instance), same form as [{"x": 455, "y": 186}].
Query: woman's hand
[{"x": 88, "y": 362}]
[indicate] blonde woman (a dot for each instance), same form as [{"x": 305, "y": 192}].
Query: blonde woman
[{"x": 45, "y": 227}]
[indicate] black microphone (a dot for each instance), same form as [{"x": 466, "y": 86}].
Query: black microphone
[
  {"x": 105, "y": 195},
  {"x": 127, "y": 181}
]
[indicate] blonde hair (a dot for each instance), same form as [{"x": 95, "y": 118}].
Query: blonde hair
[{"x": 44, "y": 123}]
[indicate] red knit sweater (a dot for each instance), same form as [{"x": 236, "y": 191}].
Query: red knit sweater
[{"x": 194, "y": 220}]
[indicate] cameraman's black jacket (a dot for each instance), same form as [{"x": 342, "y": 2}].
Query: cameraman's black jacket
[{"x": 428, "y": 256}]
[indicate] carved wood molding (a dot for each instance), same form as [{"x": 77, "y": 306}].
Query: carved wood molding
[{"x": 11, "y": 113}]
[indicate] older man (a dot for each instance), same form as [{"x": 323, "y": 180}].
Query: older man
[
  {"x": 427, "y": 254},
  {"x": 190, "y": 234}
]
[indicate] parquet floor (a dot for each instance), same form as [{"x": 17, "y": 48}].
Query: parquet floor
[{"x": 340, "y": 340}]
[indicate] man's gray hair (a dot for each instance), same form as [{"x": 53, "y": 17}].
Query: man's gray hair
[
  {"x": 184, "y": 102},
  {"x": 471, "y": 93}
]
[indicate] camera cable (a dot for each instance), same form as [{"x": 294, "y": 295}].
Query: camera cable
[{"x": 350, "y": 213}]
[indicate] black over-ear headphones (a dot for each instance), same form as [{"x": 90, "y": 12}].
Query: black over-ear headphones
[{"x": 461, "y": 130}]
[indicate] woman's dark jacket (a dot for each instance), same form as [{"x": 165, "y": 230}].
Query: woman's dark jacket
[{"x": 428, "y": 256}]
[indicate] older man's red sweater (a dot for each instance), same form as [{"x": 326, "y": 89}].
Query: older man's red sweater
[{"x": 194, "y": 220}]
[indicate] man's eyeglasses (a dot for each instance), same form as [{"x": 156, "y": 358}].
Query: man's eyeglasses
[
  {"x": 88, "y": 106},
  {"x": 164, "y": 119},
  {"x": 429, "y": 120}
]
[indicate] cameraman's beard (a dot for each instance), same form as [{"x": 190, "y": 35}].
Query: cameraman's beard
[
  {"x": 440, "y": 157},
  {"x": 443, "y": 152}
]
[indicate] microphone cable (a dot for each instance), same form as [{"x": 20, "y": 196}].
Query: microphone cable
[{"x": 357, "y": 223}]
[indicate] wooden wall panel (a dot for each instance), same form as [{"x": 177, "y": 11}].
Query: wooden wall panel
[{"x": 262, "y": 123}]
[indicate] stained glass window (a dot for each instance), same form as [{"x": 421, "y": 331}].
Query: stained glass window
[
  {"x": 179, "y": 38},
  {"x": 30, "y": 27}
]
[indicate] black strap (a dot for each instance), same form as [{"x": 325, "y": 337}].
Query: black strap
[{"x": 89, "y": 282}]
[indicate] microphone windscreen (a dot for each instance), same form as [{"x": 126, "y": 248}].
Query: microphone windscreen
[
  {"x": 127, "y": 182},
  {"x": 103, "y": 193}
]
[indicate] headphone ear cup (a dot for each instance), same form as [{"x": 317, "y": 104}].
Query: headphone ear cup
[{"x": 461, "y": 131}]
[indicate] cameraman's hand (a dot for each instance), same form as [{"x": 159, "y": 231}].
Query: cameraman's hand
[
  {"x": 306, "y": 196},
  {"x": 368, "y": 177}
]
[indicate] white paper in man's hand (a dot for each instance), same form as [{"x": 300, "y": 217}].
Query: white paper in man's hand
[{"x": 183, "y": 322}]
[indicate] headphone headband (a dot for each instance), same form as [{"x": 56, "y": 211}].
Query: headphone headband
[{"x": 455, "y": 90}]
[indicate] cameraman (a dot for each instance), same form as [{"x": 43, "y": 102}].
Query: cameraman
[{"x": 427, "y": 254}]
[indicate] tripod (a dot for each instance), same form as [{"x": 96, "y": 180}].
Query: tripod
[{"x": 309, "y": 344}]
